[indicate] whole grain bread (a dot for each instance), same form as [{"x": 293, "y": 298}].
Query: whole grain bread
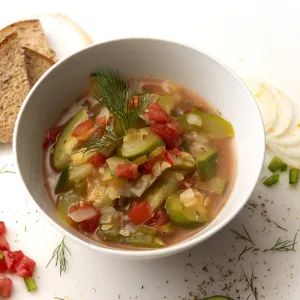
[
  {"x": 36, "y": 65},
  {"x": 31, "y": 35},
  {"x": 14, "y": 84}
]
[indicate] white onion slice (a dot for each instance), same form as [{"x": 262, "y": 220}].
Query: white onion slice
[
  {"x": 194, "y": 119},
  {"x": 108, "y": 211},
  {"x": 82, "y": 214}
]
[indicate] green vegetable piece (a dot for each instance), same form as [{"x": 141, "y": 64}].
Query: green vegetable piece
[
  {"x": 137, "y": 239},
  {"x": 64, "y": 201},
  {"x": 184, "y": 162},
  {"x": 184, "y": 214},
  {"x": 167, "y": 103},
  {"x": 216, "y": 185},
  {"x": 218, "y": 298},
  {"x": 63, "y": 182},
  {"x": 141, "y": 160},
  {"x": 150, "y": 230},
  {"x": 61, "y": 155},
  {"x": 166, "y": 184},
  {"x": 139, "y": 142},
  {"x": 79, "y": 173},
  {"x": 274, "y": 164},
  {"x": 157, "y": 152},
  {"x": 206, "y": 162},
  {"x": 293, "y": 176},
  {"x": 80, "y": 188},
  {"x": 282, "y": 167},
  {"x": 30, "y": 284},
  {"x": 273, "y": 179},
  {"x": 1, "y": 255},
  {"x": 114, "y": 161}
]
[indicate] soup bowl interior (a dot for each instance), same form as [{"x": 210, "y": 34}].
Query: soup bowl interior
[{"x": 67, "y": 80}]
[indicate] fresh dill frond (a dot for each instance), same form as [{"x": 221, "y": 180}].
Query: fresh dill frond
[
  {"x": 246, "y": 249},
  {"x": 117, "y": 96},
  {"x": 278, "y": 226},
  {"x": 250, "y": 283},
  {"x": 3, "y": 171},
  {"x": 245, "y": 237},
  {"x": 283, "y": 245},
  {"x": 59, "y": 254}
]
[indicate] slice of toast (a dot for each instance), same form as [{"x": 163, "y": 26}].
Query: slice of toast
[
  {"x": 14, "y": 85},
  {"x": 36, "y": 65},
  {"x": 31, "y": 35}
]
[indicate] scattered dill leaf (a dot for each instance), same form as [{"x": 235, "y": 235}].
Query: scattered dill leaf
[
  {"x": 250, "y": 283},
  {"x": 283, "y": 245},
  {"x": 189, "y": 265},
  {"x": 3, "y": 171},
  {"x": 59, "y": 254},
  {"x": 245, "y": 237},
  {"x": 246, "y": 249},
  {"x": 280, "y": 227}
]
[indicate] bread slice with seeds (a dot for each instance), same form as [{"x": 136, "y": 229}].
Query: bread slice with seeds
[
  {"x": 14, "y": 85},
  {"x": 31, "y": 35}
]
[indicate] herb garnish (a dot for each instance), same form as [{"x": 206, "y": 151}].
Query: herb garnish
[
  {"x": 246, "y": 249},
  {"x": 250, "y": 283},
  {"x": 245, "y": 237},
  {"x": 283, "y": 245},
  {"x": 118, "y": 98},
  {"x": 2, "y": 170},
  {"x": 60, "y": 256},
  {"x": 280, "y": 227}
]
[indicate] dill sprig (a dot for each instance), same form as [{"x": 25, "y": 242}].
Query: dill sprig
[
  {"x": 246, "y": 249},
  {"x": 117, "y": 97},
  {"x": 283, "y": 245},
  {"x": 250, "y": 283},
  {"x": 245, "y": 236},
  {"x": 3, "y": 171},
  {"x": 278, "y": 226},
  {"x": 59, "y": 254}
]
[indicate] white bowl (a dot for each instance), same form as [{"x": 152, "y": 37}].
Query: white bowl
[{"x": 67, "y": 79}]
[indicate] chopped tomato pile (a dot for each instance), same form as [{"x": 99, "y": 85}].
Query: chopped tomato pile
[{"x": 12, "y": 262}]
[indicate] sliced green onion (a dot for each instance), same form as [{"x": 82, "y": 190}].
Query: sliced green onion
[
  {"x": 282, "y": 167},
  {"x": 1, "y": 255},
  {"x": 274, "y": 164},
  {"x": 294, "y": 176},
  {"x": 30, "y": 284},
  {"x": 273, "y": 179}
]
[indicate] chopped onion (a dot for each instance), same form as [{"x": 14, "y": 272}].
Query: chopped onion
[
  {"x": 194, "y": 119},
  {"x": 124, "y": 232},
  {"x": 159, "y": 167},
  {"x": 82, "y": 214},
  {"x": 188, "y": 198},
  {"x": 108, "y": 212},
  {"x": 106, "y": 227},
  {"x": 131, "y": 228}
]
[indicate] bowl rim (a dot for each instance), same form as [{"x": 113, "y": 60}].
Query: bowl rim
[{"x": 152, "y": 253}]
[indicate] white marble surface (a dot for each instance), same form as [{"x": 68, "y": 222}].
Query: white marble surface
[{"x": 256, "y": 38}]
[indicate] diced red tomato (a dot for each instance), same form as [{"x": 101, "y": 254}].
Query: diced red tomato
[
  {"x": 3, "y": 243},
  {"x": 140, "y": 212},
  {"x": 168, "y": 133},
  {"x": 51, "y": 137},
  {"x": 168, "y": 157},
  {"x": 127, "y": 171},
  {"x": 176, "y": 152},
  {"x": 101, "y": 122},
  {"x": 25, "y": 267},
  {"x": 159, "y": 218},
  {"x": 5, "y": 287},
  {"x": 12, "y": 258},
  {"x": 3, "y": 267},
  {"x": 174, "y": 122},
  {"x": 147, "y": 167},
  {"x": 2, "y": 228},
  {"x": 91, "y": 224},
  {"x": 82, "y": 128},
  {"x": 157, "y": 114},
  {"x": 134, "y": 102},
  {"x": 97, "y": 160}
]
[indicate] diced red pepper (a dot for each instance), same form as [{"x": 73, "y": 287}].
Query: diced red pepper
[
  {"x": 168, "y": 157},
  {"x": 127, "y": 171},
  {"x": 168, "y": 133},
  {"x": 140, "y": 212},
  {"x": 174, "y": 122},
  {"x": 176, "y": 151},
  {"x": 157, "y": 114},
  {"x": 82, "y": 128},
  {"x": 97, "y": 160},
  {"x": 12, "y": 258},
  {"x": 147, "y": 167},
  {"x": 2, "y": 228},
  {"x": 159, "y": 218},
  {"x": 3, "y": 243},
  {"x": 51, "y": 137},
  {"x": 101, "y": 122},
  {"x": 91, "y": 224},
  {"x": 3, "y": 267},
  {"x": 25, "y": 267},
  {"x": 5, "y": 287}
]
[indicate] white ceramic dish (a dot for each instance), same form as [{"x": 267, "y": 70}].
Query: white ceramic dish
[{"x": 67, "y": 79}]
